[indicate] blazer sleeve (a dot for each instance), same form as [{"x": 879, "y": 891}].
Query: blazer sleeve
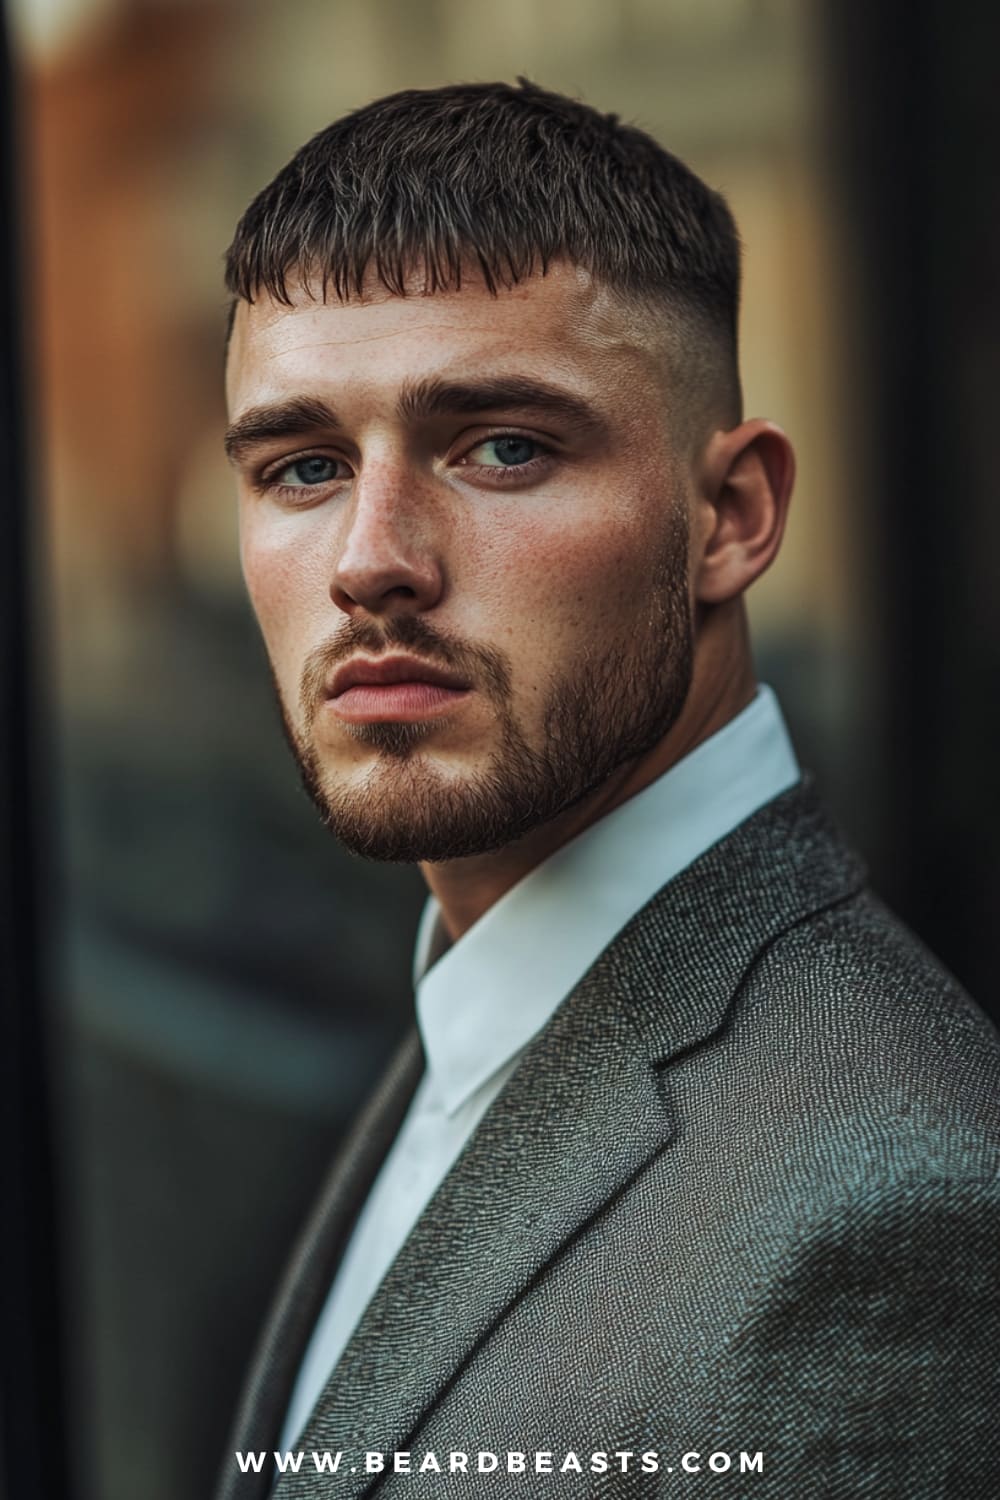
[{"x": 869, "y": 1365}]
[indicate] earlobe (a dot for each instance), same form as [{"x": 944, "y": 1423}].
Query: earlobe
[{"x": 747, "y": 476}]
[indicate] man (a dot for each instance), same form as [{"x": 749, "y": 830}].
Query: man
[{"x": 688, "y": 1182}]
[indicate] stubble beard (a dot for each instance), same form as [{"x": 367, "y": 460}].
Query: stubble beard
[{"x": 613, "y": 705}]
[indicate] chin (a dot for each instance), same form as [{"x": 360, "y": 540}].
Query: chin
[{"x": 420, "y": 816}]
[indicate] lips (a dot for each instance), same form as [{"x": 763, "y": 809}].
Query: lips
[
  {"x": 386, "y": 671},
  {"x": 393, "y": 690}
]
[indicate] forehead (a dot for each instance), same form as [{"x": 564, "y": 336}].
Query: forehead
[{"x": 562, "y": 325}]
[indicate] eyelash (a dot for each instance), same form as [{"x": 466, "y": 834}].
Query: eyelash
[
  {"x": 267, "y": 483},
  {"x": 501, "y": 474}
]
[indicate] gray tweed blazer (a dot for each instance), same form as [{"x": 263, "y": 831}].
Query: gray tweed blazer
[{"x": 740, "y": 1196}]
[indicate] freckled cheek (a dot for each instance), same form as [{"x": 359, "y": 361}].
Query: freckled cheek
[
  {"x": 289, "y": 594},
  {"x": 563, "y": 580}
]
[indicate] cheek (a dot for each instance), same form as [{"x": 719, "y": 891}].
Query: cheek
[
  {"x": 287, "y": 592},
  {"x": 583, "y": 578}
]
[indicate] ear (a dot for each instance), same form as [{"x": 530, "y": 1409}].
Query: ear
[{"x": 746, "y": 478}]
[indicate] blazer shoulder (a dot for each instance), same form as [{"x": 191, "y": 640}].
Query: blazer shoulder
[
  {"x": 851, "y": 1004},
  {"x": 859, "y": 950}
]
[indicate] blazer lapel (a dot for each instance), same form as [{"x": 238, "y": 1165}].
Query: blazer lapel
[
  {"x": 310, "y": 1271},
  {"x": 578, "y": 1119}
]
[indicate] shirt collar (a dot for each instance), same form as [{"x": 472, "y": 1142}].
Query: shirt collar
[{"x": 482, "y": 999}]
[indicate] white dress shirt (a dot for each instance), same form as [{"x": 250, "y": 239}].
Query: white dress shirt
[{"x": 483, "y": 1000}]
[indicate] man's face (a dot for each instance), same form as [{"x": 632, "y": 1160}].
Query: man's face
[{"x": 464, "y": 533}]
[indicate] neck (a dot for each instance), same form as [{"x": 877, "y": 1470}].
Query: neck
[{"x": 722, "y": 685}]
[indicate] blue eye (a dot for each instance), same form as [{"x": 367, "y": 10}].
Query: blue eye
[
  {"x": 306, "y": 471},
  {"x": 506, "y": 452}
]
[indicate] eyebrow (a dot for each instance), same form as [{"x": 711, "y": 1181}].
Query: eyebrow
[
  {"x": 261, "y": 424},
  {"x": 435, "y": 397},
  {"x": 419, "y": 400}
]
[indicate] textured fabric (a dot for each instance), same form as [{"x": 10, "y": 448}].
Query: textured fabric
[
  {"x": 494, "y": 990},
  {"x": 742, "y": 1193}
]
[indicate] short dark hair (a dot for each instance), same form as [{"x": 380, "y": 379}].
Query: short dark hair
[{"x": 507, "y": 178}]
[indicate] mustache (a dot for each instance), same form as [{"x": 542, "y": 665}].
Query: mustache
[{"x": 483, "y": 666}]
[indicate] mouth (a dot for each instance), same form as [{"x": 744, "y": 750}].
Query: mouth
[{"x": 392, "y": 690}]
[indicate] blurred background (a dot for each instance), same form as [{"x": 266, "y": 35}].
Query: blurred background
[{"x": 218, "y": 983}]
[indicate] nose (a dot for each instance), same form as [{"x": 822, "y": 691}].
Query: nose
[{"x": 387, "y": 562}]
